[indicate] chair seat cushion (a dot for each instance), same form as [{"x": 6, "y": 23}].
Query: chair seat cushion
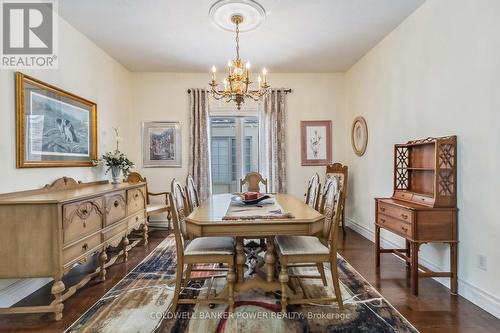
[
  {"x": 293, "y": 245},
  {"x": 151, "y": 208},
  {"x": 210, "y": 245}
]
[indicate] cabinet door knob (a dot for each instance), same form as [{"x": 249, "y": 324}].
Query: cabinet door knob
[
  {"x": 85, "y": 247},
  {"x": 405, "y": 229},
  {"x": 382, "y": 220},
  {"x": 382, "y": 209},
  {"x": 116, "y": 203},
  {"x": 404, "y": 216}
]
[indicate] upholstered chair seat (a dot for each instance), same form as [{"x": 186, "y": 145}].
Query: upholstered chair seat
[
  {"x": 293, "y": 245},
  {"x": 210, "y": 245}
]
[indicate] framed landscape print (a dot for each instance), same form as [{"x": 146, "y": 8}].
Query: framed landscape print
[
  {"x": 54, "y": 128},
  {"x": 316, "y": 142},
  {"x": 359, "y": 136},
  {"x": 161, "y": 144}
]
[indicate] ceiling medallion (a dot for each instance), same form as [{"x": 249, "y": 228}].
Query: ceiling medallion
[{"x": 237, "y": 84}]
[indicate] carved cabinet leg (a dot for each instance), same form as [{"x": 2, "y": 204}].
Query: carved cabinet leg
[
  {"x": 145, "y": 230},
  {"x": 103, "y": 257},
  {"x": 414, "y": 267},
  {"x": 454, "y": 268},
  {"x": 377, "y": 247},
  {"x": 124, "y": 245},
  {"x": 57, "y": 290}
]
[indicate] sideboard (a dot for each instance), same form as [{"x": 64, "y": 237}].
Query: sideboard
[{"x": 46, "y": 232}]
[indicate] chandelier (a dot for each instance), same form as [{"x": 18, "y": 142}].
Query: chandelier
[{"x": 237, "y": 84}]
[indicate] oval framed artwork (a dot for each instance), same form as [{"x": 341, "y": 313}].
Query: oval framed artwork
[{"x": 359, "y": 136}]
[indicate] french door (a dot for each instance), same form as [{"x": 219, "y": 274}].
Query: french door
[{"x": 234, "y": 150}]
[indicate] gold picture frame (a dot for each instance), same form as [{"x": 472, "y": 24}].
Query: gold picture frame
[
  {"x": 359, "y": 136},
  {"x": 54, "y": 128}
]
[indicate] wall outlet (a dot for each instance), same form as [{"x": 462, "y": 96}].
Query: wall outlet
[{"x": 482, "y": 262}]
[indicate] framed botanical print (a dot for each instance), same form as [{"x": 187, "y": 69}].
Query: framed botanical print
[
  {"x": 316, "y": 142},
  {"x": 161, "y": 144},
  {"x": 55, "y": 128},
  {"x": 359, "y": 136}
]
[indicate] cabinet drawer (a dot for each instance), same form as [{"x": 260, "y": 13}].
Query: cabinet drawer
[
  {"x": 81, "y": 219},
  {"x": 118, "y": 228},
  {"x": 423, "y": 200},
  {"x": 136, "y": 219},
  {"x": 82, "y": 247},
  {"x": 135, "y": 200},
  {"x": 395, "y": 212},
  {"x": 116, "y": 207},
  {"x": 395, "y": 225},
  {"x": 403, "y": 195}
]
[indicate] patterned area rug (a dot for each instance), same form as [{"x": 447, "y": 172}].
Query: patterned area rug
[{"x": 139, "y": 303}]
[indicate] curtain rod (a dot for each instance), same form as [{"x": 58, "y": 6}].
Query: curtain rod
[{"x": 286, "y": 91}]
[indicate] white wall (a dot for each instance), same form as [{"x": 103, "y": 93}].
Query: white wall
[
  {"x": 85, "y": 70},
  {"x": 163, "y": 97},
  {"x": 437, "y": 74}
]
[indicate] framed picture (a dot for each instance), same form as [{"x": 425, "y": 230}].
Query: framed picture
[
  {"x": 161, "y": 144},
  {"x": 359, "y": 136},
  {"x": 54, "y": 127},
  {"x": 316, "y": 142}
]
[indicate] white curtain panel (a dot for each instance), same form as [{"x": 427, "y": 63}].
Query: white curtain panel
[
  {"x": 273, "y": 145},
  {"x": 199, "y": 142}
]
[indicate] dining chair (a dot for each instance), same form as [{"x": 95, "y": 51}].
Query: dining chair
[
  {"x": 193, "y": 200},
  {"x": 313, "y": 192},
  {"x": 304, "y": 251},
  {"x": 340, "y": 172},
  {"x": 202, "y": 250},
  {"x": 253, "y": 181},
  {"x": 151, "y": 209}
]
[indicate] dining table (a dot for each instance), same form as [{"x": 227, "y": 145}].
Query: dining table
[{"x": 210, "y": 220}]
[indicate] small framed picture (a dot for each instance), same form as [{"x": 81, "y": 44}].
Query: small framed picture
[
  {"x": 359, "y": 136},
  {"x": 316, "y": 142},
  {"x": 55, "y": 128},
  {"x": 161, "y": 144}
]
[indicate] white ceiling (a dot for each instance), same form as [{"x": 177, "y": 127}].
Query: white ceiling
[{"x": 178, "y": 36}]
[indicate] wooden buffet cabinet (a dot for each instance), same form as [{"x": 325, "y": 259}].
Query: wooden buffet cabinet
[
  {"x": 48, "y": 231},
  {"x": 422, "y": 208}
]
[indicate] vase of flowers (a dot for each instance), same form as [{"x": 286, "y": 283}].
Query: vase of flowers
[{"x": 116, "y": 161}]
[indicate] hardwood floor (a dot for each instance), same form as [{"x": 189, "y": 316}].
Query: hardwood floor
[{"x": 433, "y": 311}]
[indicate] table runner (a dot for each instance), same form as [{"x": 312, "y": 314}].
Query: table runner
[{"x": 266, "y": 209}]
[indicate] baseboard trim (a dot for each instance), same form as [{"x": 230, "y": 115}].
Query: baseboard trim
[{"x": 476, "y": 295}]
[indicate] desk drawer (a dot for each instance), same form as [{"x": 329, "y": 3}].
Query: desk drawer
[
  {"x": 136, "y": 200},
  {"x": 116, "y": 207},
  {"x": 395, "y": 225},
  {"x": 396, "y": 212},
  {"x": 81, "y": 219},
  {"x": 82, "y": 247}
]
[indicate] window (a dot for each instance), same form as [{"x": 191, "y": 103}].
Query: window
[{"x": 234, "y": 150}]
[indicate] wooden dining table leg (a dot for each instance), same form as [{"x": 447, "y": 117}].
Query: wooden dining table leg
[
  {"x": 270, "y": 259},
  {"x": 240, "y": 259}
]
